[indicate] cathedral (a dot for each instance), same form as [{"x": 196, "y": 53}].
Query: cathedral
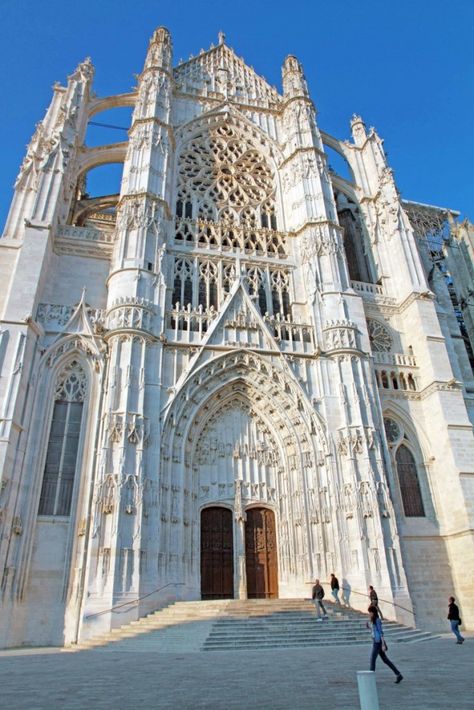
[{"x": 244, "y": 371}]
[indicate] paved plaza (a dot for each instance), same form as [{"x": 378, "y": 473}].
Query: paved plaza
[{"x": 437, "y": 674}]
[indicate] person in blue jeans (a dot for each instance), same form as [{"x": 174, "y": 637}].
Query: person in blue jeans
[
  {"x": 335, "y": 588},
  {"x": 454, "y": 619},
  {"x": 378, "y": 643}
]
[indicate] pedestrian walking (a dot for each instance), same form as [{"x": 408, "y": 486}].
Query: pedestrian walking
[
  {"x": 454, "y": 619},
  {"x": 318, "y": 596},
  {"x": 379, "y": 645},
  {"x": 335, "y": 587},
  {"x": 374, "y": 600}
]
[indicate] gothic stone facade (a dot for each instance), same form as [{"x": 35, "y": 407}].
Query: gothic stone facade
[{"x": 241, "y": 331}]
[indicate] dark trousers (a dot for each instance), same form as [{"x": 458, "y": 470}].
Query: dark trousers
[
  {"x": 377, "y": 651},
  {"x": 319, "y": 605}
]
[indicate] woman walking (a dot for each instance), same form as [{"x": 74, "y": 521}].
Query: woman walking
[{"x": 379, "y": 646}]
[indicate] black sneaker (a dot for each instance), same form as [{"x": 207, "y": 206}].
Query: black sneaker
[{"x": 399, "y": 678}]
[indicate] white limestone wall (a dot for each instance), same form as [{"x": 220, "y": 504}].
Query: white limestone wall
[{"x": 68, "y": 275}]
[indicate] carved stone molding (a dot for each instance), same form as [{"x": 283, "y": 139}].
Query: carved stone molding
[
  {"x": 340, "y": 335},
  {"x": 133, "y": 427},
  {"x": 130, "y": 313},
  {"x": 53, "y": 316}
]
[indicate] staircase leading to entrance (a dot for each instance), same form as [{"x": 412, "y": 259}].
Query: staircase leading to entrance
[{"x": 224, "y": 625}]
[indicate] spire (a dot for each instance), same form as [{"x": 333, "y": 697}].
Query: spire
[
  {"x": 159, "y": 50},
  {"x": 359, "y": 133},
  {"x": 294, "y": 82},
  {"x": 84, "y": 71},
  {"x": 221, "y": 37}
]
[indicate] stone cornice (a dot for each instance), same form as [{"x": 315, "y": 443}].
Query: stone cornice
[
  {"x": 316, "y": 223},
  {"x": 219, "y": 99},
  {"x": 230, "y": 347},
  {"x": 299, "y": 151}
]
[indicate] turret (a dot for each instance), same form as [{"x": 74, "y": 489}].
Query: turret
[
  {"x": 43, "y": 191},
  {"x": 294, "y": 82},
  {"x": 359, "y": 132}
]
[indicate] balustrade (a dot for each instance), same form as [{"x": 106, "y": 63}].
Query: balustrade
[
  {"x": 227, "y": 236},
  {"x": 387, "y": 358},
  {"x": 186, "y": 324},
  {"x": 365, "y": 287}
]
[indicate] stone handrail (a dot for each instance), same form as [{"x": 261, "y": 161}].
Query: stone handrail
[{"x": 387, "y": 358}]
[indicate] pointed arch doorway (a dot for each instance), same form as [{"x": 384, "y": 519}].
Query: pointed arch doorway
[
  {"x": 261, "y": 562},
  {"x": 217, "y": 553}
]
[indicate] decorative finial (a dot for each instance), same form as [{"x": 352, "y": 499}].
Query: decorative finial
[{"x": 221, "y": 37}]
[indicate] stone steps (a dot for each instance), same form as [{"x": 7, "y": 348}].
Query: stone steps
[{"x": 220, "y": 625}]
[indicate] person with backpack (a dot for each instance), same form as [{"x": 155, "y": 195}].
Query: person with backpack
[
  {"x": 379, "y": 645},
  {"x": 454, "y": 619},
  {"x": 318, "y": 596}
]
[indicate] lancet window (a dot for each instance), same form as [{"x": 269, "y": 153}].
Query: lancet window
[
  {"x": 63, "y": 442},
  {"x": 407, "y": 470},
  {"x": 270, "y": 289},
  {"x": 205, "y": 283},
  {"x": 353, "y": 237},
  {"x": 409, "y": 483}
]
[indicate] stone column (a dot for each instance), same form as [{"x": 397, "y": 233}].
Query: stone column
[
  {"x": 128, "y": 478},
  {"x": 240, "y": 518}
]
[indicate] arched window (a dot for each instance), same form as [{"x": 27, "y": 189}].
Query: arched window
[
  {"x": 183, "y": 282},
  {"x": 280, "y": 295},
  {"x": 61, "y": 456},
  {"x": 208, "y": 284},
  {"x": 409, "y": 483}
]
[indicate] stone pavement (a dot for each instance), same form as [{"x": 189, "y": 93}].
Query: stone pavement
[{"x": 438, "y": 674}]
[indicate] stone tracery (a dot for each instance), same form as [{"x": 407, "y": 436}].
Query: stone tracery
[{"x": 218, "y": 170}]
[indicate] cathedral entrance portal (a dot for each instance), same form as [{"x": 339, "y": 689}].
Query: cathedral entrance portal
[
  {"x": 217, "y": 555},
  {"x": 261, "y": 554}
]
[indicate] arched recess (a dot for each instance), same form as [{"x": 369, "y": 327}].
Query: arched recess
[
  {"x": 357, "y": 247},
  {"x": 411, "y": 487},
  {"x": 105, "y": 103},
  {"x": 107, "y": 187},
  {"x": 66, "y": 533},
  {"x": 111, "y": 126},
  {"x": 336, "y": 154},
  {"x": 240, "y": 431},
  {"x": 98, "y": 192}
]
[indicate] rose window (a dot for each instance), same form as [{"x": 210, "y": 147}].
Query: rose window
[
  {"x": 222, "y": 169},
  {"x": 392, "y": 430},
  {"x": 379, "y": 336}
]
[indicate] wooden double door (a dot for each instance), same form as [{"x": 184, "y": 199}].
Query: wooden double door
[{"x": 217, "y": 554}]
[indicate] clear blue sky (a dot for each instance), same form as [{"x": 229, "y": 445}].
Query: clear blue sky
[{"x": 406, "y": 66}]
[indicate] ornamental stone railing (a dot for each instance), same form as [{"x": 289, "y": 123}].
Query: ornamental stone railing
[
  {"x": 387, "y": 358},
  {"x": 227, "y": 236},
  {"x": 365, "y": 287},
  {"x": 130, "y": 313},
  {"x": 85, "y": 233}
]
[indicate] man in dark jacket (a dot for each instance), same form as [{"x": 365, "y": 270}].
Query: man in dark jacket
[
  {"x": 318, "y": 596},
  {"x": 374, "y": 600},
  {"x": 335, "y": 588},
  {"x": 454, "y": 619}
]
